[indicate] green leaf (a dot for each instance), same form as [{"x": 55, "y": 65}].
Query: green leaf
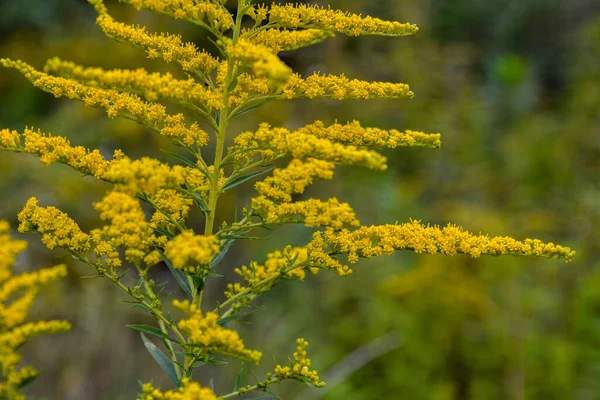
[
  {"x": 152, "y": 331},
  {"x": 238, "y": 315},
  {"x": 27, "y": 380},
  {"x": 241, "y": 179},
  {"x": 209, "y": 361},
  {"x": 163, "y": 361},
  {"x": 163, "y": 232},
  {"x": 141, "y": 306},
  {"x": 249, "y": 109},
  {"x": 219, "y": 257},
  {"x": 179, "y": 275},
  {"x": 242, "y": 379},
  {"x": 123, "y": 275},
  {"x": 201, "y": 205},
  {"x": 90, "y": 277}
]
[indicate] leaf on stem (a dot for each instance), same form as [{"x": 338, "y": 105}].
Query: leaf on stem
[
  {"x": 179, "y": 275},
  {"x": 153, "y": 331},
  {"x": 242, "y": 379},
  {"x": 241, "y": 179},
  {"x": 163, "y": 361}
]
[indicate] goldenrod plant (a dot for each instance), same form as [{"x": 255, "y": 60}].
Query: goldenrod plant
[
  {"x": 242, "y": 73},
  {"x": 17, "y": 294}
]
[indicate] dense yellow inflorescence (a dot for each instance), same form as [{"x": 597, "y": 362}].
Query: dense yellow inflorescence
[
  {"x": 340, "y": 87},
  {"x": 312, "y": 212},
  {"x": 271, "y": 142},
  {"x": 451, "y": 240},
  {"x": 204, "y": 331},
  {"x": 354, "y": 134},
  {"x": 17, "y": 293},
  {"x": 116, "y": 104},
  {"x": 301, "y": 16},
  {"x": 56, "y": 228},
  {"x": 261, "y": 59},
  {"x": 147, "y": 175},
  {"x": 187, "y": 391},
  {"x": 192, "y": 252},
  {"x": 151, "y": 86},
  {"x": 171, "y": 207},
  {"x": 168, "y": 47},
  {"x": 127, "y": 226},
  {"x": 294, "y": 178},
  {"x": 300, "y": 369},
  {"x": 286, "y": 40},
  {"x": 198, "y": 12}
]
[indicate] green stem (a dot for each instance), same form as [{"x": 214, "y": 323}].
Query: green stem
[
  {"x": 243, "y": 391},
  {"x": 223, "y": 122}
]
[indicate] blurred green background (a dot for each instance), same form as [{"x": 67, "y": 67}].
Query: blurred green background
[{"x": 514, "y": 88}]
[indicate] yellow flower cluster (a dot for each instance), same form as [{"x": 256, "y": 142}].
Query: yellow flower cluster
[
  {"x": 58, "y": 149},
  {"x": 275, "y": 263},
  {"x": 301, "y": 16},
  {"x": 294, "y": 178},
  {"x": 9, "y": 139},
  {"x": 258, "y": 13},
  {"x": 192, "y": 252},
  {"x": 187, "y": 391},
  {"x": 205, "y": 332},
  {"x": 249, "y": 86},
  {"x": 168, "y": 47},
  {"x": 312, "y": 212},
  {"x": 451, "y": 240},
  {"x": 261, "y": 59},
  {"x": 16, "y": 312},
  {"x": 286, "y": 40},
  {"x": 191, "y": 10},
  {"x": 56, "y": 228},
  {"x": 273, "y": 142},
  {"x": 147, "y": 175},
  {"x": 151, "y": 86},
  {"x": 171, "y": 206},
  {"x": 353, "y": 133},
  {"x": 9, "y": 249},
  {"x": 274, "y": 203},
  {"x": 342, "y": 88},
  {"x": 116, "y": 104},
  {"x": 17, "y": 293},
  {"x": 128, "y": 227},
  {"x": 300, "y": 369},
  {"x": 261, "y": 278}
]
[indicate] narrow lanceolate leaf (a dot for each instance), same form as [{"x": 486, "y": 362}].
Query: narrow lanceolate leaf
[
  {"x": 187, "y": 162},
  {"x": 179, "y": 275},
  {"x": 249, "y": 109},
  {"x": 241, "y": 179},
  {"x": 238, "y": 315},
  {"x": 163, "y": 361},
  {"x": 162, "y": 231},
  {"x": 224, "y": 249},
  {"x": 152, "y": 331},
  {"x": 241, "y": 380},
  {"x": 142, "y": 307}
]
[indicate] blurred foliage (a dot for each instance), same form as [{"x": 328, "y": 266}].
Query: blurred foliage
[{"x": 514, "y": 88}]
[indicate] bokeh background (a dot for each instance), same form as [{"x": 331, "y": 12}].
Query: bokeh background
[{"x": 514, "y": 88}]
